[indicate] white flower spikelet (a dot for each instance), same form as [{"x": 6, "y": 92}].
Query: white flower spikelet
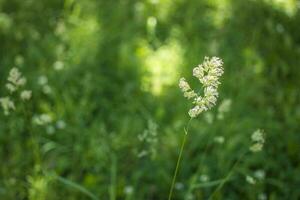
[
  {"x": 26, "y": 95},
  {"x": 258, "y": 140},
  {"x": 15, "y": 81},
  {"x": 60, "y": 124},
  {"x": 208, "y": 74},
  {"x": 250, "y": 180},
  {"x": 11, "y": 88},
  {"x": 224, "y": 107},
  {"x": 42, "y": 119},
  {"x": 186, "y": 89},
  {"x": 219, "y": 139},
  {"x": 16, "y": 78},
  {"x": 258, "y": 136},
  {"x": 194, "y": 112},
  {"x": 149, "y": 139},
  {"x": 7, "y": 105}
]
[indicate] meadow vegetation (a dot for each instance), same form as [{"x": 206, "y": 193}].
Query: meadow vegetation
[{"x": 93, "y": 109}]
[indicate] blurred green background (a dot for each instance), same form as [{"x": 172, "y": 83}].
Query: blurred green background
[{"x": 105, "y": 75}]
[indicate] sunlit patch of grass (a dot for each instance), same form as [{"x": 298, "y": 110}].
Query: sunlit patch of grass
[
  {"x": 288, "y": 6},
  {"x": 83, "y": 33},
  {"x": 85, "y": 38},
  {"x": 161, "y": 66},
  {"x": 221, "y": 11},
  {"x": 38, "y": 187},
  {"x": 163, "y": 7}
]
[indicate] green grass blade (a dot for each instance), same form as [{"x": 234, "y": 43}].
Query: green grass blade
[
  {"x": 209, "y": 184},
  {"x": 76, "y": 186}
]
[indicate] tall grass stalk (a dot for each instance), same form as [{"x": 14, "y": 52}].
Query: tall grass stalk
[
  {"x": 186, "y": 130},
  {"x": 194, "y": 177},
  {"x": 75, "y": 186},
  {"x": 113, "y": 177},
  {"x": 208, "y": 73},
  {"x": 227, "y": 177},
  {"x": 34, "y": 139}
]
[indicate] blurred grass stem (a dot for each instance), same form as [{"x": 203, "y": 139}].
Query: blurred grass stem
[{"x": 227, "y": 177}]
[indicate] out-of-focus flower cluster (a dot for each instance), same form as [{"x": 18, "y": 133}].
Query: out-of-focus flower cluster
[
  {"x": 208, "y": 74},
  {"x": 7, "y": 104},
  {"x": 15, "y": 81},
  {"x": 42, "y": 119},
  {"x": 258, "y": 140},
  {"x": 224, "y": 107},
  {"x": 149, "y": 140},
  {"x": 259, "y": 175}
]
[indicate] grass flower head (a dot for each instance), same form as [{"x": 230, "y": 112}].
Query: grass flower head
[
  {"x": 208, "y": 73},
  {"x": 15, "y": 81},
  {"x": 26, "y": 95},
  {"x": 7, "y": 105},
  {"x": 258, "y": 140},
  {"x": 15, "y": 77}
]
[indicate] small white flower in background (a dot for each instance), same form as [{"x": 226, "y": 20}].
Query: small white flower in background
[
  {"x": 26, "y": 95},
  {"x": 45, "y": 118},
  {"x": 190, "y": 197},
  {"x": 42, "y": 80},
  {"x": 50, "y": 130},
  {"x": 204, "y": 178},
  {"x": 7, "y": 105},
  {"x": 208, "y": 74},
  {"x": 224, "y": 108},
  {"x": 60, "y": 28},
  {"x": 142, "y": 136},
  {"x": 262, "y": 196},
  {"x": 256, "y": 147},
  {"x": 16, "y": 78},
  {"x": 58, "y": 65},
  {"x": 219, "y": 139},
  {"x": 60, "y": 124},
  {"x": 258, "y": 141},
  {"x": 209, "y": 117},
  {"x": 42, "y": 119},
  {"x": 11, "y": 88},
  {"x": 149, "y": 139},
  {"x": 143, "y": 153},
  {"x": 151, "y": 21},
  {"x": 47, "y": 89},
  {"x": 128, "y": 190},
  {"x": 260, "y": 174},
  {"x": 258, "y": 136},
  {"x": 179, "y": 186},
  {"x": 250, "y": 180}
]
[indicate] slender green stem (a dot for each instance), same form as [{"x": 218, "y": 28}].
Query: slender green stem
[
  {"x": 179, "y": 159},
  {"x": 33, "y": 138},
  {"x": 75, "y": 186},
  {"x": 177, "y": 166},
  {"x": 227, "y": 177},
  {"x": 113, "y": 177},
  {"x": 194, "y": 177}
]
